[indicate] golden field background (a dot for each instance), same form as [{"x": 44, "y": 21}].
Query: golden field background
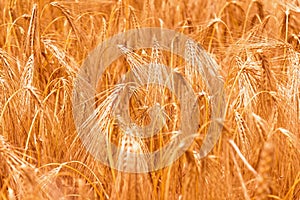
[{"x": 256, "y": 44}]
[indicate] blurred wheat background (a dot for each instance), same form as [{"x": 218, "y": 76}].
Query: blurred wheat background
[{"x": 256, "y": 44}]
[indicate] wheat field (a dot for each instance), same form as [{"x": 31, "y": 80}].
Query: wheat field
[{"x": 256, "y": 44}]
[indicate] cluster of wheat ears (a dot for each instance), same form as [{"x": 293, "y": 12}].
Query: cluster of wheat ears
[{"x": 256, "y": 44}]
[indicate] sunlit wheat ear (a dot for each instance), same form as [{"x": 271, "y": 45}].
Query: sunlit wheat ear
[
  {"x": 128, "y": 147},
  {"x": 136, "y": 62},
  {"x": 67, "y": 13},
  {"x": 106, "y": 103},
  {"x": 61, "y": 56},
  {"x": 264, "y": 169},
  {"x": 22, "y": 176},
  {"x": 155, "y": 60},
  {"x": 8, "y": 61},
  {"x": 294, "y": 81},
  {"x": 103, "y": 33},
  {"x": 133, "y": 18},
  {"x": 243, "y": 130},
  {"x": 268, "y": 79},
  {"x": 200, "y": 66},
  {"x": 262, "y": 126},
  {"x": 158, "y": 121},
  {"x": 26, "y": 81},
  {"x": 247, "y": 81},
  {"x": 139, "y": 65},
  {"x": 130, "y": 144},
  {"x": 190, "y": 70},
  {"x": 32, "y": 31},
  {"x": 27, "y": 74}
]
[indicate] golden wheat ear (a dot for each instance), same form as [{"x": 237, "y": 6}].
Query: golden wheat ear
[{"x": 264, "y": 180}]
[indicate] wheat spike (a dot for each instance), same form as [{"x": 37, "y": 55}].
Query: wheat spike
[{"x": 264, "y": 170}]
